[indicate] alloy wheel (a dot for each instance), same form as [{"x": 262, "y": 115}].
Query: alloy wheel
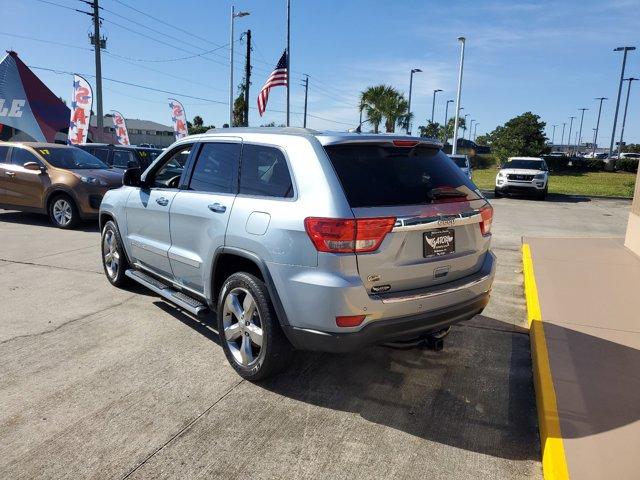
[
  {"x": 110, "y": 254},
  {"x": 62, "y": 212},
  {"x": 242, "y": 326}
]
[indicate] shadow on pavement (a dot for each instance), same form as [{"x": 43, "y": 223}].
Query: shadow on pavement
[
  {"x": 41, "y": 220},
  {"x": 552, "y": 197},
  {"x": 476, "y": 394}
]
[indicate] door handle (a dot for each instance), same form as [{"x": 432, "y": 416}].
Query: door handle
[
  {"x": 162, "y": 201},
  {"x": 10, "y": 174},
  {"x": 217, "y": 207}
]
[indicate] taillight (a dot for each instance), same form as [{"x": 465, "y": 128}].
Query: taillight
[
  {"x": 350, "y": 320},
  {"x": 340, "y": 235},
  {"x": 486, "y": 213},
  {"x": 405, "y": 143}
]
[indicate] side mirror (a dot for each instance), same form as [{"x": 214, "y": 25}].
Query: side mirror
[
  {"x": 131, "y": 177},
  {"x": 34, "y": 166}
]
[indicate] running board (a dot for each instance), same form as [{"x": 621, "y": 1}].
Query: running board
[{"x": 190, "y": 304}]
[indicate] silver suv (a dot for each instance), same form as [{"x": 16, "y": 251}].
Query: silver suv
[{"x": 302, "y": 239}]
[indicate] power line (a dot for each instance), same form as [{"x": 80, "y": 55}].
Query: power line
[
  {"x": 50, "y": 42},
  {"x": 57, "y": 5}
]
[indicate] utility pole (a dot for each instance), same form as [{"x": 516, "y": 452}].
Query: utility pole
[
  {"x": 247, "y": 79},
  {"x": 288, "y": 60},
  {"x": 306, "y": 94},
  {"x": 595, "y": 136},
  {"x": 624, "y": 115},
  {"x": 454, "y": 148},
  {"x": 234, "y": 15},
  {"x": 615, "y": 117},
  {"x": 98, "y": 44},
  {"x": 580, "y": 134}
]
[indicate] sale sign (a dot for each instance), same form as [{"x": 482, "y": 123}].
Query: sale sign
[
  {"x": 121, "y": 128},
  {"x": 179, "y": 118},
  {"x": 81, "y": 104}
]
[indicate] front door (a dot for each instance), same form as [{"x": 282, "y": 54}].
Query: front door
[
  {"x": 4, "y": 178},
  {"x": 148, "y": 214},
  {"x": 24, "y": 188},
  {"x": 200, "y": 211}
]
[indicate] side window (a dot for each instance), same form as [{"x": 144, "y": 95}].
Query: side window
[
  {"x": 4, "y": 154},
  {"x": 101, "y": 153},
  {"x": 122, "y": 158},
  {"x": 216, "y": 168},
  {"x": 264, "y": 172},
  {"x": 20, "y": 156},
  {"x": 168, "y": 176}
]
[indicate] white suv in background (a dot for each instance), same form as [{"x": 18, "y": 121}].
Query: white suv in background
[{"x": 523, "y": 175}]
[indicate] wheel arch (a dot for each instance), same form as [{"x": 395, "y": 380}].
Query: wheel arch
[
  {"x": 228, "y": 260},
  {"x": 57, "y": 190}
]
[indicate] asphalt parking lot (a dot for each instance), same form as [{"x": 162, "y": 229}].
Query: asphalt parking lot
[{"x": 97, "y": 382}]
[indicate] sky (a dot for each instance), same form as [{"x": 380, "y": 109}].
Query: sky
[{"x": 547, "y": 57}]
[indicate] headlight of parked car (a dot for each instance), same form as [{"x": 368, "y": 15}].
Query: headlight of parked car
[
  {"x": 540, "y": 176},
  {"x": 93, "y": 181}
]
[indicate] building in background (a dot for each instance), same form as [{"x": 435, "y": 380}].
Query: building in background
[{"x": 140, "y": 131}]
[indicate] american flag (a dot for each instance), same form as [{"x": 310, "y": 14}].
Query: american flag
[{"x": 277, "y": 78}]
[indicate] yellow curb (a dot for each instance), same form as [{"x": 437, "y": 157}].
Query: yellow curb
[{"x": 554, "y": 462}]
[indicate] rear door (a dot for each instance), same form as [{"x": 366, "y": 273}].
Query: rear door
[
  {"x": 25, "y": 188},
  {"x": 437, "y": 236},
  {"x": 200, "y": 211}
]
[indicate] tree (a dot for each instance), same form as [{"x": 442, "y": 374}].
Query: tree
[
  {"x": 382, "y": 102},
  {"x": 197, "y": 121},
  {"x": 198, "y": 126},
  {"x": 431, "y": 130},
  {"x": 522, "y": 135},
  {"x": 238, "y": 111},
  {"x": 482, "y": 140}
]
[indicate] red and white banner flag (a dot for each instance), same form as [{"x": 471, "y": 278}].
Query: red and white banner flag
[
  {"x": 81, "y": 104},
  {"x": 121, "y": 128},
  {"x": 179, "y": 118}
]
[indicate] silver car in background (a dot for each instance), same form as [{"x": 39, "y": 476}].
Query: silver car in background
[{"x": 303, "y": 239}]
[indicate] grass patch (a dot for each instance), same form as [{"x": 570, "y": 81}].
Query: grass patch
[{"x": 609, "y": 184}]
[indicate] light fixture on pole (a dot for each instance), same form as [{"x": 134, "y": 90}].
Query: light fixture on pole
[
  {"x": 615, "y": 117},
  {"x": 234, "y": 15},
  {"x": 624, "y": 115},
  {"x": 580, "y": 131},
  {"x": 570, "y": 127},
  {"x": 595, "y": 136},
  {"x": 413, "y": 70},
  {"x": 446, "y": 119},
  {"x": 458, "y": 96},
  {"x": 433, "y": 104}
]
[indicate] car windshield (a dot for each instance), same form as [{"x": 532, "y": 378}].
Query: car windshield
[
  {"x": 525, "y": 164},
  {"x": 460, "y": 161},
  {"x": 71, "y": 158},
  {"x": 379, "y": 175},
  {"x": 147, "y": 156}
]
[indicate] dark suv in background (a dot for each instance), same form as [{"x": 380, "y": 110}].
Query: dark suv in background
[{"x": 123, "y": 156}]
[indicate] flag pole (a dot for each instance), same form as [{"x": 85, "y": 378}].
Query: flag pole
[{"x": 288, "y": 56}]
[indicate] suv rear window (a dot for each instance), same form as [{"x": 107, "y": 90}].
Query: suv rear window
[{"x": 379, "y": 175}]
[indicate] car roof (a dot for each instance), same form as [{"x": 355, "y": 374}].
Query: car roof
[
  {"x": 39, "y": 144},
  {"x": 325, "y": 137}
]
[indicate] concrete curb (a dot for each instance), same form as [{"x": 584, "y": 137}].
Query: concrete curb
[{"x": 554, "y": 462}]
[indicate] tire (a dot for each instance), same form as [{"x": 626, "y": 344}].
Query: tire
[
  {"x": 114, "y": 258},
  {"x": 63, "y": 211},
  {"x": 256, "y": 347},
  {"x": 543, "y": 195},
  {"x": 496, "y": 193}
]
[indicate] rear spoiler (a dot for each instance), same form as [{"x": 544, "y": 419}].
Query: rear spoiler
[{"x": 379, "y": 139}]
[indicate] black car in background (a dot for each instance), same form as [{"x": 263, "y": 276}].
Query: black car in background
[{"x": 122, "y": 156}]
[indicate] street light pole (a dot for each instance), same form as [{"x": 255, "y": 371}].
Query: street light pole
[
  {"x": 465, "y": 125},
  {"x": 564, "y": 124},
  {"x": 446, "y": 119},
  {"x": 475, "y": 129},
  {"x": 595, "y": 136},
  {"x": 580, "y": 131},
  {"x": 624, "y": 115},
  {"x": 234, "y": 15},
  {"x": 413, "y": 70},
  {"x": 458, "y": 95},
  {"x": 615, "y": 117},
  {"x": 470, "y": 128},
  {"x": 569, "y": 137},
  {"x": 553, "y": 136},
  {"x": 433, "y": 104}
]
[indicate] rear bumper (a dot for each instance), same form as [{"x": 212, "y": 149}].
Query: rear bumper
[{"x": 387, "y": 330}]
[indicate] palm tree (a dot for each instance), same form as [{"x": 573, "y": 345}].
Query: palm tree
[{"x": 384, "y": 102}]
